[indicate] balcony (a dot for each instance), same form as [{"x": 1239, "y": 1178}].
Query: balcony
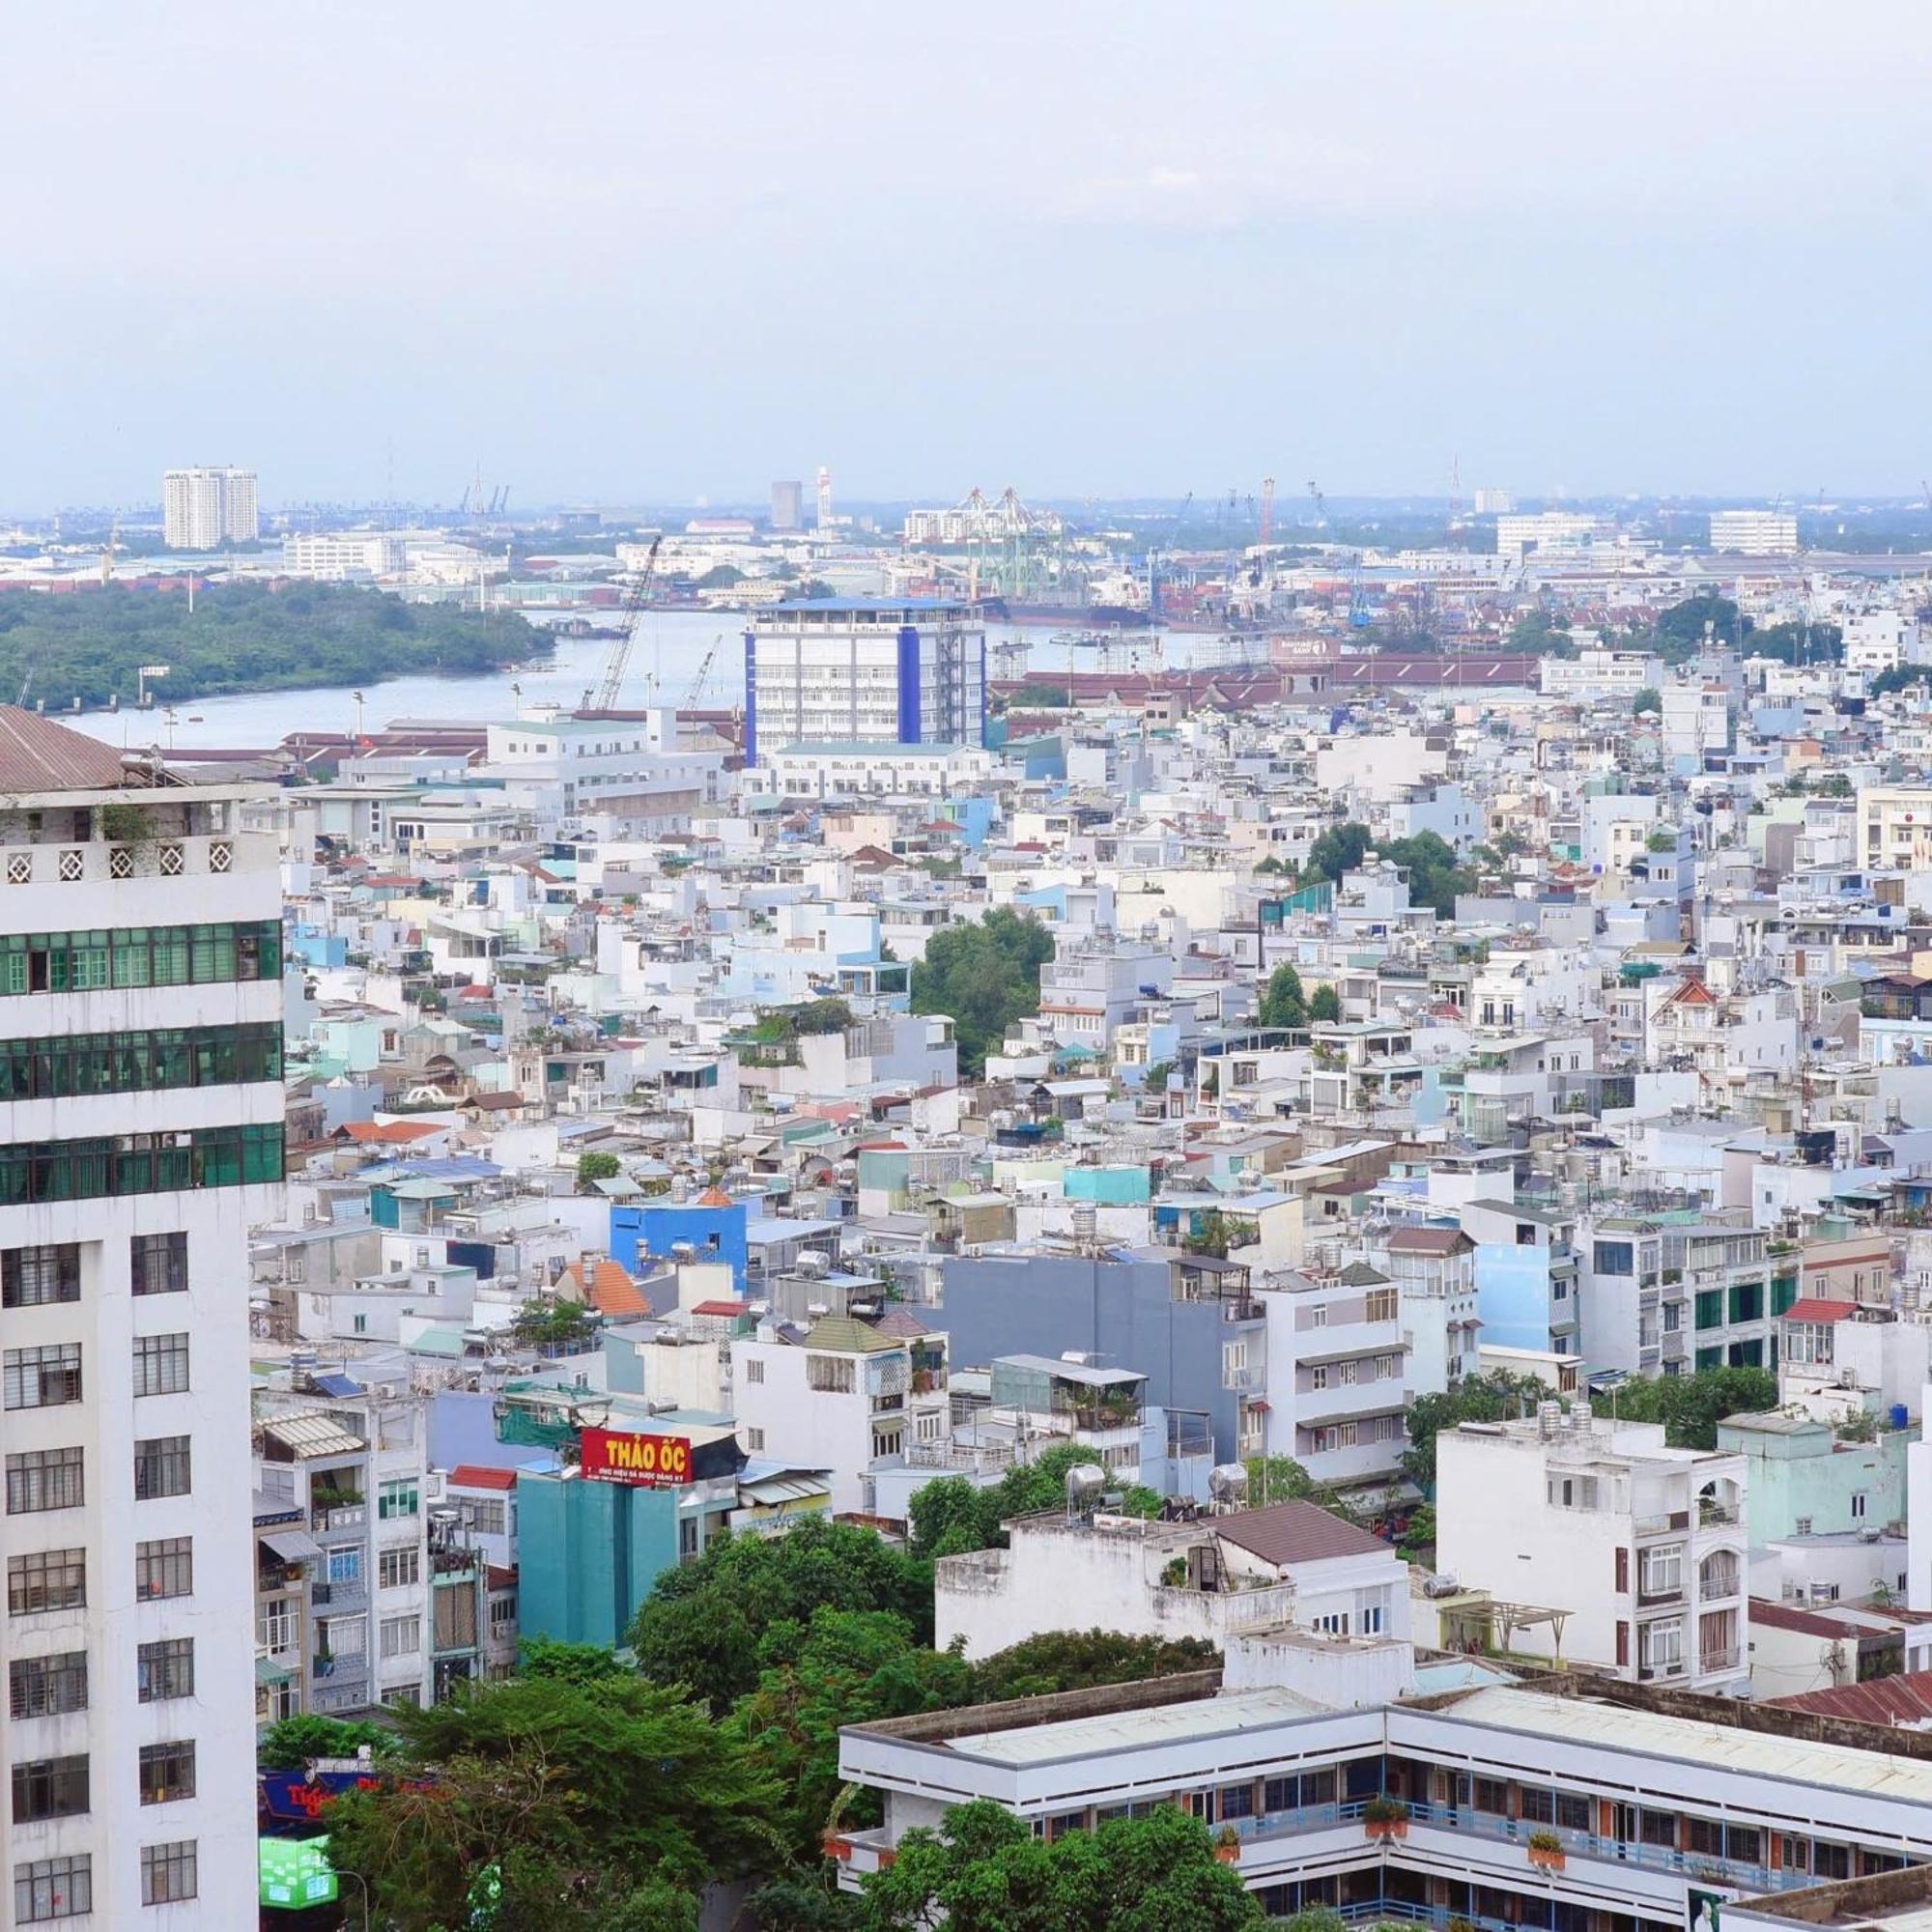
[
  {"x": 1247, "y": 1380},
  {"x": 336, "y": 1513},
  {"x": 1710, "y": 1662}
]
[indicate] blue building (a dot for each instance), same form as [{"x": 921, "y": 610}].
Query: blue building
[
  {"x": 902, "y": 671},
  {"x": 713, "y": 1225}
]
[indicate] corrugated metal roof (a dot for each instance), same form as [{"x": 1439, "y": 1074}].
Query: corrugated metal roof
[
  {"x": 306, "y": 1436},
  {"x": 36, "y": 754},
  {"x": 1297, "y": 1532}
]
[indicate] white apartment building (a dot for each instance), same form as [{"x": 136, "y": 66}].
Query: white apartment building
[
  {"x": 1337, "y": 1380},
  {"x": 333, "y": 557},
  {"x": 1543, "y": 530},
  {"x": 203, "y": 508},
  {"x": 865, "y": 672},
  {"x": 1895, "y": 828},
  {"x": 1602, "y": 673},
  {"x": 1640, "y": 1547},
  {"x": 140, "y": 980},
  {"x": 846, "y": 1395},
  {"x": 1881, "y": 641},
  {"x": 1754, "y": 532}
]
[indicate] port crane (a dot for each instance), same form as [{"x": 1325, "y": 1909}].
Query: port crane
[
  {"x": 603, "y": 696},
  {"x": 703, "y": 677}
]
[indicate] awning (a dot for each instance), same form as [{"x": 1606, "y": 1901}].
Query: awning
[
  {"x": 292, "y": 1546},
  {"x": 269, "y": 1671}
]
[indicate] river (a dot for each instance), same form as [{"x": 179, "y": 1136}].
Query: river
[{"x": 669, "y": 652}]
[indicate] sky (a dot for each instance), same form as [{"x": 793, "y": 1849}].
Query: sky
[{"x": 622, "y": 251}]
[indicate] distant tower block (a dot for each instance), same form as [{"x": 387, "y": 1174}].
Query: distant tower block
[
  {"x": 788, "y": 507},
  {"x": 824, "y": 497}
]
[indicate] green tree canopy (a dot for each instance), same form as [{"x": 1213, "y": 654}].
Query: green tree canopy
[
  {"x": 1325, "y": 1006},
  {"x": 984, "y": 1871},
  {"x": 1691, "y": 1406},
  {"x": 951, "y": 1515},
  {"x": 1679, "y": 630},
  {"x": 1036, "y": 695},
  {"x": 553, "y": 1325},
  {"x": 1649, "y": 698},
  {"x": 1336, "y": 851},
  {"x": 1435, "y": 878},
  {"x": 291, "y": 1742},
  {"x": 985, "y": 975},
  {"x": 245, "y": 636},
  {"x": 591, "y": 1168},
  {"x": 1283, "y": 1002},
  {"x": 1489, "y": 1398},
  {"x": 703, "y": 1623},
  {"x": 539, "y": 1778}
]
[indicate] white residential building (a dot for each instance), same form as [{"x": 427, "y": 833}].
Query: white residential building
[
  {"x": 825, "y": 671},
  {"x": 1754, "y": 532},
  {"x": 138, "y": 914},
  {"x": 1639, "y": 1546},
  {"x": 204, "y": 508}
]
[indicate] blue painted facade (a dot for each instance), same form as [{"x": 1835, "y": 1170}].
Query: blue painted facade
[
  {"x": 589, "y": 1553},
  {"x": 909, "y": 666},
  {"x": 1513, "y": 1294},
  {"x": 717, "y": 1232}
]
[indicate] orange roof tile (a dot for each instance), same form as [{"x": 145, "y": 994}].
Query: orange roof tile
[
  {"x": 610, "y": 1291},
  {"x": 390, "y": 1132}
]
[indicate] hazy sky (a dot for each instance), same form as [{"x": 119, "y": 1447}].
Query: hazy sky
[{"x": 622, "y": 250}]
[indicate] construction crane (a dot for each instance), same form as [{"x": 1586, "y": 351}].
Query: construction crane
[
  {"x": 1154, "y": 556},
  {"x": 703, "y": 676},
  {"x": 604, "y": 694},
  {"x": 1267, "y": 523},
  {"x": 1320, "y": 505}
]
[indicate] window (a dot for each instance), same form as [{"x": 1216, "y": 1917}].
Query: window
[
  {"x": 38, "y": 1277},
  {"x": 488, "y": 1516},
  {"x": 502, "y": 1616},
  {"x": 99, "y": 1168},
  {"x": 162, "y": 1467},
  {"x": 1829, "y": 1860},
  {"x": 1238, "y": 1800},
  {"x": 1857, "y": 1503},
  {"x": 123, "y": 1063},
  {"x": 46, "y": 1580},
  {"x": 830, "y": 1375},
  {"x": 754, "y": 1370},
  {"x": 167, "y": 1669},
  {"x": 42, "y": 1378},
  {"x": 275, "y": 1624},
  {"x": 158, "y": 1263},
  {"x": 47, "y": 1687},
  {"x": 345, "y": 1566},
  {"x": 1803, "y": 1526},
  {"x": 53, "y": 1889},
  {"x": 164, "y": 1567},
  {"x": 403, "y": 1694},
  {"x": 396, "y": 1499},
  {"x": 1333, "y": 1623},
  {"x": 167, "y": 1771},
  {"x": 44, "y": 1479},
  {"x": 1709, "y": 1308},
  {"x": 169, "y": 1872},
  {"x": 1318, "y": 1376},
  {"x": 160, "y": 1364},
  {"x": 401, "y": 1636},
  {"x": 754, "y": 1440},
  {"x": 1380, "y": 1305},
  {"x": 1623, "y": 1568},
  {"x": 398, "y": 1567},
  {"x": 1664, "y": 1571},
  {"x": 50, "y": 1787}
]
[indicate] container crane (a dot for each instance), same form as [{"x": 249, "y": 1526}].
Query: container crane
[{"x": 604, "y": 694}]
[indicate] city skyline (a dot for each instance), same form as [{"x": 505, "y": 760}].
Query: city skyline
[{"x": 1090, "y": 253}]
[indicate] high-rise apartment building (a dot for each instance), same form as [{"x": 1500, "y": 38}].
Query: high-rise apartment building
[
  {"x": 865, "y": 670},
  {"x": 140, "y": 1059},
  {"x": 1754, "y": 532},
  {"x": 788, "y": 507},
  {"x": 204, "y": 508}
]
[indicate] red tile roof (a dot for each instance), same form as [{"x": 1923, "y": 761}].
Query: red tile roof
[
  {"x": 719, "y": 1307},
  {"x": 1819, "y": 1308},
  {"x": 478, "y": 1476},
  {"x": 389, "y": 1133},
  {"x": 610, "y": 1290}
]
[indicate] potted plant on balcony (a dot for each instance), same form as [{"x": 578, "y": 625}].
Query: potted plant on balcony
[
  {"x": 1227, "y": 1845},
  {"x": 1546, "y": 1849},
  {"x": 1385, "y": 1817}
]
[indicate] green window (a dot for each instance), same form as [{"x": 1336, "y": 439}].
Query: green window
[
  {"x": 140, "y": 956},
  {"x": 1709, "y": 1358},
  {"x": 1783, "y": 1292},
  {"x": 1746, "y": 1300},
  {"x": 397, "y": 1499},
  {"x": 1746, "y": 1355},
  {"x": 89, "y": 1170},
  {"x": 1709, "y": 1308}
]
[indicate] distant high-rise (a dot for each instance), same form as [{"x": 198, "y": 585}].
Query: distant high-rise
[
  {"x": 788, "y": 507},
  {"x": 1754, "y": 532},
  {"x": 824, "y": 497},
  {"x": 204, "y": 508}
]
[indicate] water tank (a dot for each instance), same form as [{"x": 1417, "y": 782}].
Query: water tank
[
  {"x": 1086, "y": 1483},
  {"x": 1228, "y": 1483},
  {"x": 814, "y": 1265},
  {"x": 1899, "y": 1415},
  {"x": 1086, "y": 1223},
  {"x": 1444, "y": 1585}
]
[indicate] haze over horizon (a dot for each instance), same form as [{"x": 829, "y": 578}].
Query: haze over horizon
[{"x": 1117, "y": 251}]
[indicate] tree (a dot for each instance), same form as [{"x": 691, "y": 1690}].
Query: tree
[
  {"x": 1277, "y": 1479},
  {"x": 553, "y": 1327},
  {"x": 1338, "y": 850},
  {"x": 721, "y": 576},
  {"x": 984, "y": 1871},
  {"x": 1541, "y": 633},
  {"x": 1325, "y": 1006},
  {"x": 1691, "y": 1406},
  {"x": 1649, "y": 698},
  {"x": 1489, "y": 1398},
  {"x": 951, "y": 1515},
  {"x": 574, "y": 1663},
  {"x": 1038, "y": 696},
  {"x": 1209, "y": 1235},
  {"x": 1435, "y": 878},
  {"x": 1681, "y": 629},
  {"x": 1901, "y": 677},
  {"x": 1057, "y": 1661},
  {"x": 983, "y": 974},
  {"x": 1283, "y": 1002},
  {"x": 291, "y": 1742},
  {"x": 591, "y": 1168},
  {"x": 536, "y": 1780},
  {"x": 702, "y": 1624}
]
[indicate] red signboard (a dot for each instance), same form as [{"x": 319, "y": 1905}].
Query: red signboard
[{"x": 659, "y": 1462}]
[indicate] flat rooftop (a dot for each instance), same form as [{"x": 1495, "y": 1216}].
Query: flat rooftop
[{"x": 1122, "y": 1730}]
